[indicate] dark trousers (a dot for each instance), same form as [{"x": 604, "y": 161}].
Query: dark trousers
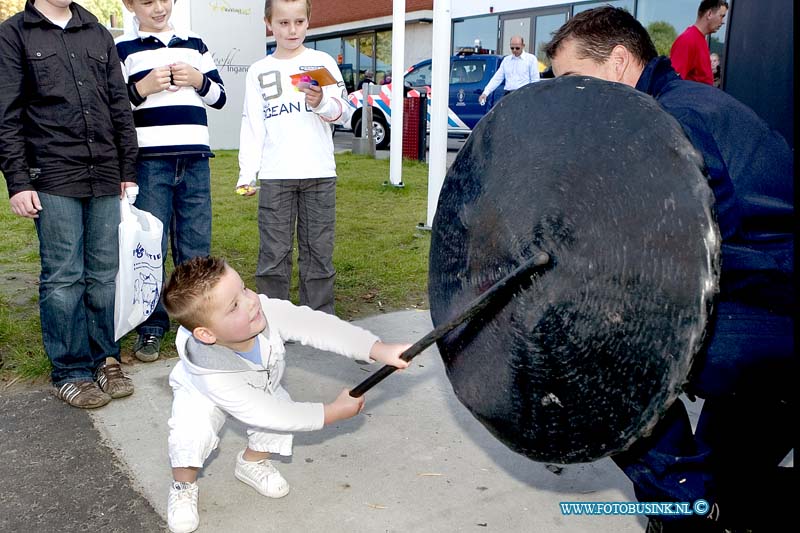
[
  {"x": 177, "y": 191},
  {"x": 743, "y": 432},
  {"x": 310, "y": 206}
]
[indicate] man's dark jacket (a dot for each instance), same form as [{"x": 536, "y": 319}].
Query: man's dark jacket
[{"x": 750, "y": 170}]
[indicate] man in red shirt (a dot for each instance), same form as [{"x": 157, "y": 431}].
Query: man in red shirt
[{"x": 689, "y": 54}]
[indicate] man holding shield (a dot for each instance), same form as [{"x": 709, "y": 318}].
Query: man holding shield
[{"x": 744, "y": 372}]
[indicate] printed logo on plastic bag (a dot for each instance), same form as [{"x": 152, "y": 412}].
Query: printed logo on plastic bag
[{"x": 141, "y": 268}]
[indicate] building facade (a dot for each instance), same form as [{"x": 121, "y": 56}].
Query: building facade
[{"x": 359, "y": 34}]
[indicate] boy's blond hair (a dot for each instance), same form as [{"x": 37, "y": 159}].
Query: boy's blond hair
[
  {"x": 187, "y": 293},
  {"x": 269, "y": 3}
]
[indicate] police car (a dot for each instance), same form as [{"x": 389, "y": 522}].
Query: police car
[{"x": 469, "y": 74}]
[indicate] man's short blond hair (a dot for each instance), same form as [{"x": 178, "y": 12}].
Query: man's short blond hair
[{"x": 187, "y": 294}]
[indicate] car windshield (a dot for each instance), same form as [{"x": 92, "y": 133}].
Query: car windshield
[
  {"x": 469, "y": 71},
  {"x": 419, "y": 77}
]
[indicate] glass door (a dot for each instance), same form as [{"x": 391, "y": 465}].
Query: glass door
[
  {"x": 545, "y": 25},
  {"x": 536, "y": 27},
  {"x": 366, "y": 57},
  {"x": 512, "y": 27}
]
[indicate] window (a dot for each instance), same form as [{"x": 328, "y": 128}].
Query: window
[
  {"x": 383, "y": 56},
  {"x": 350, "y": 63},
  {"x": 332, "y": 47},
  {"x": 625, "y": 4},
  {"x": 350, "y": 53},
  {"x": 519, "y": 25},
  {"x": 419, "y": 77},
  {"x": 546, "y": 25},
  {"x": 666, "y": 20},
  {"x": 356, "y": 54},
  {"x": 536, "y": 27},
  {"x": 483, "y": 30},
  {"x": 467, "y": 71},
  {"x": 365, "y": 56}
]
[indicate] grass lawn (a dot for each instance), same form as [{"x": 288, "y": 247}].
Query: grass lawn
[{"x": 381, "y": 258}]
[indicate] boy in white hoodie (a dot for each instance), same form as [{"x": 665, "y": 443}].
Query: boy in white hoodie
[{"x": 231, "y": 361}]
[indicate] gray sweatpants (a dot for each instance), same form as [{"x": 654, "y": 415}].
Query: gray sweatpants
[{"x": 310, "y": 204}]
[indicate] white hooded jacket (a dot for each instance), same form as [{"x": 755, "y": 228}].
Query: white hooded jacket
[{"x": 252, "y": 392}]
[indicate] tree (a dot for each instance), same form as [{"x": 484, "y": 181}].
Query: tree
[
  {"x": 102, "y": 9},
  {"x": 663, "y": 35},
  {"x": 10, "y": 7}
]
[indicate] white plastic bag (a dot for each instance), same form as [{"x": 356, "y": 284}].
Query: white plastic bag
[{"x": 141, "y": 275}]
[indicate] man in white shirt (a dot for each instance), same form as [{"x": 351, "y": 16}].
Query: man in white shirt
[{"x": 518, "y": 69}]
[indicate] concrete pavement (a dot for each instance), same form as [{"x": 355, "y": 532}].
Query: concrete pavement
[
  {"x": 58, "y": 476},
  {"x": 413, "y": 461}
]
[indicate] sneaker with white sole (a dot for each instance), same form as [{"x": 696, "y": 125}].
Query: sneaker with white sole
[
  {"x": 112, "y": 381},
  {"x": 262, "y": 476},
  {"x": 182, "y": 516},
  {"x": 147, "y": 347},
  {"x": 83, "y": 394}
]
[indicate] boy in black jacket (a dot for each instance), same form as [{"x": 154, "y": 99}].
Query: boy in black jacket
[{"x": 68, "y": 152}]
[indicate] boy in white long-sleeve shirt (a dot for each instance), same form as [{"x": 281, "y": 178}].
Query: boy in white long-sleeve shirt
[
  {"x": 231, "y": 361},
  {"x": 286, "y": 146}
]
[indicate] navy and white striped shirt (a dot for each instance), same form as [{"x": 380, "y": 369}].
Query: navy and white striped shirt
[{"x": 170, "y": 123}]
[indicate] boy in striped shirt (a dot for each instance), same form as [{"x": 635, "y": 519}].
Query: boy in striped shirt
[{"x": 171, "y": 77}]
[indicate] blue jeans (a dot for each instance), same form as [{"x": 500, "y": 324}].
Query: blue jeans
[
  {"x": 746, "y": 376},
  {"x": 80, "y": 255},
  {"x": 310, "y": 204},
  {"x": 177, "y": 191}
]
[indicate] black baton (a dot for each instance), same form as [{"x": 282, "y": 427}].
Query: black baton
[{"x": 511, "y": 280}]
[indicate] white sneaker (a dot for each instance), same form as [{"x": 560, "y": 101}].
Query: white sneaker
[
  {"x": 182, "y": 514},
  {"x": 262, "y": 476}
]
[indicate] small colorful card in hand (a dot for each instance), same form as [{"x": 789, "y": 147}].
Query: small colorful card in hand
[{"x": 320, "y": 76}]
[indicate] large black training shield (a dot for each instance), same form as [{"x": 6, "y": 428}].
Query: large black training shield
[{"x": 584, "y": 357}]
